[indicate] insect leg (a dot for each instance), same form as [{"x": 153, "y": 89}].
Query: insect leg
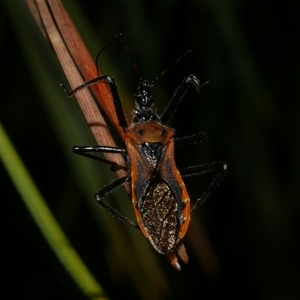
[
  {"x": 83, "y": 85},
  {"x": 179, "y": 94},
  {"x": 190, "y": 139},
  {"x": 220, "y": 167},
  {"x": 113, "y": 88},
  {"x": 91, "y": 152},
  {"x": 108, "y": 189},
  {"x": 88, "y": 151},
  {"x": 117, "y": 103}
]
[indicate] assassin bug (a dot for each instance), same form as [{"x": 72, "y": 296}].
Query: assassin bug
[{"x": 160, "y": 200}]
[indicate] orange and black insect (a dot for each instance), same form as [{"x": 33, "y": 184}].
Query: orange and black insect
[{"x": 159, "y": 197}]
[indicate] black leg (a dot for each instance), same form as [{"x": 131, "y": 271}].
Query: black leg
[
  {"x": 220, "y": 167},
  {"x": 117, "y": 103},
  {"x": 190, "y": 139},
  {"x": 91, "y": 152},
  {"x": 116, "y": 98},
  {"x": 108, "y": 189},
  {"x": 83, "y": 85},
  {"x": 98, "y": 149},
  {"x": 88, "y": 151},
  {"x": 179, "y": 94}
]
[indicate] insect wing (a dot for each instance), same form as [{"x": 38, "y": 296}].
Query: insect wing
[
  {"x": 171, "y": 175},
  {"x": 160, "y": 200}
]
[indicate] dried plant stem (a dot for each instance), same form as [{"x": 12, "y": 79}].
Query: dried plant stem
[{"x": 78, "y": 66}]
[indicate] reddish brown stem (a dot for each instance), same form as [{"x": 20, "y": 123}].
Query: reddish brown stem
[{"x": 78, "y": 66}]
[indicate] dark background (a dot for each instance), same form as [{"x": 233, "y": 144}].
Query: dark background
[{"x": 249, "y": 51}]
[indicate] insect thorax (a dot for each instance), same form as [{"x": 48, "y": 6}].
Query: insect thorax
[{"x": 152, "y": 153}]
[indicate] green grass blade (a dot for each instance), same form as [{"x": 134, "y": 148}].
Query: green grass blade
[{"x": 45, "y": 220}]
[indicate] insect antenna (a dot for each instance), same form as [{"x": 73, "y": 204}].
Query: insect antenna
[
  {"x": 186, "y": 55},
  {"x": 123, "y": 40}
]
